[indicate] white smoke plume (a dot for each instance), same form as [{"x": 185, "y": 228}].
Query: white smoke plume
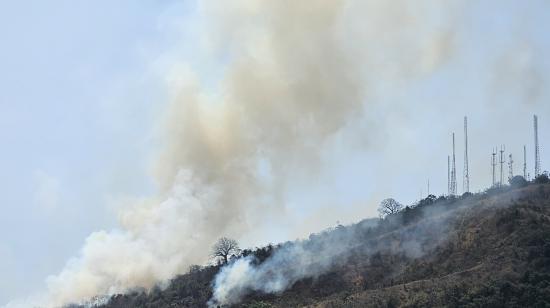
[
  {"x": 295, "y": 74},
  {"x": 289, "y": 85},
  {"x": 434, "y": 225},
  {"x": 289, "y": 263},
  {"x": 326, "y": 251}
]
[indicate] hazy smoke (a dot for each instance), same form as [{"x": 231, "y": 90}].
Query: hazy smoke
[
  {"x": 287, "y": 265},
  {"x": 295, "y": 73},
  {"x": 434, "y": 226},
  {"x": 326, "y": 251},
  {"x": 290, "y": 84}
]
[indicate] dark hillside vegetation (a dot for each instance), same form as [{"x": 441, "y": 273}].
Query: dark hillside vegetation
[{"x": 490, "y": 249}]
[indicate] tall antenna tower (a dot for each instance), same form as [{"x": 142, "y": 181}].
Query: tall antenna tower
[
  {"x": 428, "y": 187},
  {"x": 524, "y": 162},
  {"x": 453, "y": 170},
  {"x": 494, "y": 164},
  {"x": 448, "y": 175},
  {"x": 537, "y": 154},
  {"x": 501, "y": 165},
  {"x": 466, "y": 173},
  {"x": 510, "y": 167}
]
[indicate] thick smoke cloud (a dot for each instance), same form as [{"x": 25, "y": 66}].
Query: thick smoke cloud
[
  {"x": 289, "y": 85},
  {"x": 295, "y": 74}
]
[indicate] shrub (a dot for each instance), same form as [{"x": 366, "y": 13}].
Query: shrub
[
  {"x": 518, "y": 181},
  {"x": 542, "y": 179}
]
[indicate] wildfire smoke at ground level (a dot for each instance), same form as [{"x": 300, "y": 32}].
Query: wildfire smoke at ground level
[{"x": 297, "y": 81}]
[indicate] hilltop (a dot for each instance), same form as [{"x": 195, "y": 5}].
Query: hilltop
[{"x": 490, "y": 249}]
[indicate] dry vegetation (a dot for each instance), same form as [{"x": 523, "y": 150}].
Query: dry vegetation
[{"x": 491, "y": 250}]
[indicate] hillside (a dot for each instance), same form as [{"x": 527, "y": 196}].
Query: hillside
[{"x": 490, "y": 249}]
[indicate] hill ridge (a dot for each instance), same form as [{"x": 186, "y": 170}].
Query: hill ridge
[{"x": 482, "y": 250}]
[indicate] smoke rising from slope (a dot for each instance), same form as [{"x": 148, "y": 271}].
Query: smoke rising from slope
[
  {"x": 295, "y": 74},
  {"x": 328, "y": 250},
  {"x": 289, "y": 85},
  {"x": 412, "y": 233}
]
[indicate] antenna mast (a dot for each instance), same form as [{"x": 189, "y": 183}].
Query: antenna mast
[
  {"x": 537, "y": 154},
  {"x": 493, "y": 164},
  {"x": 501, "y": 164},
  {"x": 510, "y": 167},
  {"x": 448, "y": 175},
  {"x": 524, "y": 162},
  {"x": 466, "y": 173},
  {"x": 453, "y": 170}
]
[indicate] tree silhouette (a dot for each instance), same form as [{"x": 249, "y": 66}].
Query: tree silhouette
[
  {"x": 225, "y": 248},
  {"x": 518, "y": 181},
  {"x": 389, "y": 206},
  {"x": 542, "y": 179}
]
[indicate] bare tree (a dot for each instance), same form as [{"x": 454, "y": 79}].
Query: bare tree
[
  {"x": 225, "y": 248},
  {"x": 389, "y": 206}
]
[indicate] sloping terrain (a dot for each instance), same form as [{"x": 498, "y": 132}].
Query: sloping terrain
[{"x": 485, "y": 250}]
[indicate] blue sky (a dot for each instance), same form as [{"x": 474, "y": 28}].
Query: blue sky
[
  {"x": 75, "y": 123},
  {"x": 83, "y": 89}
]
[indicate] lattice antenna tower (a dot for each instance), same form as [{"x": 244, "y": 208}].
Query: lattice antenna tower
[
  {"x": 428, "y": 187},
  {"x": 494, "y": 164},
  {"x": 501, "y": 161},
  {"x": 510, "y": 167},
  {"x": 453, "y": 170},
  {"x": 448, "y": 175},
  {"x": 466, "y": 173},
  {"x": 537, "y": 154},
  {"x": 524, "y": 162}
]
